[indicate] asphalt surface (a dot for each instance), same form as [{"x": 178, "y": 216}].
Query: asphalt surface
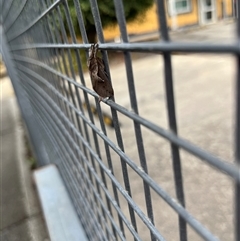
[
  {"x": 204, "y": 89},
  {"x": 20, "y": 213},
  {"x": 204, "y": 86}
]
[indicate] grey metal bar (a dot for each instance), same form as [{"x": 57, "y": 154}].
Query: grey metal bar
[
  {"x": 72, "y": 33},
  {"x": 237, "y": 134},
  {"x": 69, "y": 91},
  {"x": 150, "y": 47},
  {"x": 22, "y": 31},
  {"x": 76, "y": 91},
  {"x": 81, "y": 21},
  {"x": 237, "y": 155},
  {"x": 98, "y": 25},
  {"x": 178, "y": 179},
  {"x": 133, "y": 100}
]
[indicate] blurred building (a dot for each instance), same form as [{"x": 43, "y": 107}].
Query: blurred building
[{"x": 180, "y": 14}]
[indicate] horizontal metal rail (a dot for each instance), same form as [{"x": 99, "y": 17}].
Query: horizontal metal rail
[{"x": 150, "y": 47}]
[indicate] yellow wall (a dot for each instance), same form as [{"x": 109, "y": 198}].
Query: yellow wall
[
  {"x": 150, "y": 22},
  {"x": 186, "y": 19},
  {"x": 228, "y": 5}
]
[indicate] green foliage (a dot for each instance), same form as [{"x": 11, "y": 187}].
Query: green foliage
[
  {"x": 67, "y": 68},
  {"x": 133, "y": 9},
  {"x": 32, "y": 162}
]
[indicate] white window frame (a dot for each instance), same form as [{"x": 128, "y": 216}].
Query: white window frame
[{"x": 174, "y": 11}]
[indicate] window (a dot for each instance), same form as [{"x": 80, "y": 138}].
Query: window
[{"x": 178, "y": 6}]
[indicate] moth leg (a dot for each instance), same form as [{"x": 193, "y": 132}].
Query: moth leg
[
  {"x": 100, "y": 79},
  {"x": 95, "y": 50},
  {"x": 100, "y": 98}
]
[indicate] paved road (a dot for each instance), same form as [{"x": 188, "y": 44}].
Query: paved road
[
  {"x": 223, "y": 32},
  {"x": 20, "y": 212},
  {"x": 204, "y": 87}
]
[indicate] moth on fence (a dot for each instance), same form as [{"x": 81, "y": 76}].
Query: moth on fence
[{"x": 100, "y": 81}]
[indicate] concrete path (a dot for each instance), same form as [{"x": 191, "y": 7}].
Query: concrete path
[
  {"x": 223, "y": 32},
  {"x": 20, "y": 212}
]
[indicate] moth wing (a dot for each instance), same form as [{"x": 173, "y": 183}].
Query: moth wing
[{"x": 101, "y": 71}]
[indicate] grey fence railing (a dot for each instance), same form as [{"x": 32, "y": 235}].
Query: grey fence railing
[{"x": 113, "y": 159}]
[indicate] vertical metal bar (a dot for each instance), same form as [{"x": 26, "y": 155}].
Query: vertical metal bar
[
  {"x": 80, "y": 72},
  {"x": 94, "y": 134},
  {"x": 59, "y": 65},
  {"x": 133, "y": 99},
  {"x": 99, "y": 30},
  {"x": 80, "y": 21},
  {"x": 72, "y": 33},
  {"x": 237, "y": 135},
  {"x": 172, "y": 116},
  {"x": 58, "y": 39},
  {"x": 73, "y": 74},
  {"x": 62, "y": 87},
  {"x": 69, "y": 95},
  {"x": 76, "y": 89},
  {"x": 85, "y": 40},
  {"x": 237, "y": 152},
  {"x": 58, "y": 53},
  {"x": 48, "y": 56},
  {"x": 54, "y": 52}
]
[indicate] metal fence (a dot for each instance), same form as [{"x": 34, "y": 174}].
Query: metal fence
[{"x": 108, "y": 171}]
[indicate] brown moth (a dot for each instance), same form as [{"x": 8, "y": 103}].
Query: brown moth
[{"x": 99, "y": 78}]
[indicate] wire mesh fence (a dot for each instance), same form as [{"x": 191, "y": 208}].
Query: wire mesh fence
[{"x": 120, "y": 158}]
